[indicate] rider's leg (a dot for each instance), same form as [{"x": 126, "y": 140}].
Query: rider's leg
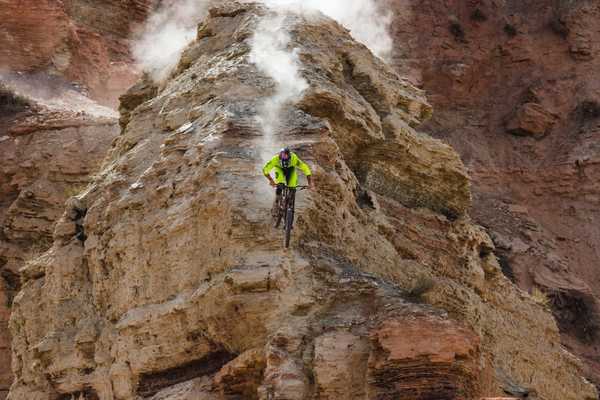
[
  {"x": 292, "y": 182},
  {"x": 291, "y": 174},
  {"x": 278, "y": 192},
  {"x": 280, "y": 180}
]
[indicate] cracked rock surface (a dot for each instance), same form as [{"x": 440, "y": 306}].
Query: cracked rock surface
[
  {"x": 180, "y": 289},
  {"x": 47, "y": 155},
  {"x": 518, "y": 96}
]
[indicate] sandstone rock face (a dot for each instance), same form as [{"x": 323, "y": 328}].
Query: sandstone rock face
[
  {"x": 47, "y": 154},
  {"x": 83, "y": 41},
  {"x": 496, "y": 67},
  {"x": 179, "y": 287}
]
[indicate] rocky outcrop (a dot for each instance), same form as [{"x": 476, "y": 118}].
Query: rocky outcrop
[
  {"x": 531, "y": 119},
  {"x": 47, "y": 154},
  {"x": 52, "y": 137},
  {"x": 179, "y": 287},
  {"x": 492, "y": 68},
  {"x": 85, "y": 42}
]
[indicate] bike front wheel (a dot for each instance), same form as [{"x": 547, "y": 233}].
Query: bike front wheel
[
  {"x": 289, "y": 221},
  {"x": 281, "y": 207}
]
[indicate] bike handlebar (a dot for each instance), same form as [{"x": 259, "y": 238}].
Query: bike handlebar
[{"x": 298, "y": 187}]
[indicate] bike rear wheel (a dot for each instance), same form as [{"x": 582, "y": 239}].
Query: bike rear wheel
[{"x": 289, "y": 216}]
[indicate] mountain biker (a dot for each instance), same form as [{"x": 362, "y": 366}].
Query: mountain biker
[{"x": 285, "y": 164}]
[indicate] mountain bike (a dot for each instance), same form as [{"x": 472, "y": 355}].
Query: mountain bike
[{"x": 285, "y": 211}]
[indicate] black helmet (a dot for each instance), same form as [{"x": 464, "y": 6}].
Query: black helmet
[{"x": 285, "y": 157}]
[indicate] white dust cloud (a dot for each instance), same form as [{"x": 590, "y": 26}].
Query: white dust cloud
[
  {"x": 166, "y": 34},
  {"x": 365, "y": 19},
  {"x": 272, "y": 55},
  {"x": 54, "y": 93},
  {"x": 173, "y": 26}
]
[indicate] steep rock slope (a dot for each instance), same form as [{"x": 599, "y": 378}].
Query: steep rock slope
[
  {"x": 515, "y": 89},
  {"x": 181, "y": 289},
  {"x": 86, "y": 42},
  {"x": 52, "y": 137},
  {"x": 48, "y": 152}
]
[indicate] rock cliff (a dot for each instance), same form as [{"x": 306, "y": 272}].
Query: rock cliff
[
  {"x": 515, "y": 89},
  {"x": 48, "y": 151},
  {"x": 165, "y": 279},
  {"x": 53, "y": 55},
  {"x": 85, "y": 42}
]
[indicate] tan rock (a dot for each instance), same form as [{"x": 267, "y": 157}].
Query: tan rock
[
  {"x": 242, "y": 376},
  {"x": 340, "y": 365},
  {"x": 121, "y": 379},
  {"x": 49, "y": 156}
]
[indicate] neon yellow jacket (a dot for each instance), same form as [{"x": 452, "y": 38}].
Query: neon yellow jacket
[{"x": 295, "y": 162}]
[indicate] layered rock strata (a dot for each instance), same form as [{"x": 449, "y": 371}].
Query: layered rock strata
[
  {"x": 179, "y": 287},
  {"x": 47, "y": 154}
]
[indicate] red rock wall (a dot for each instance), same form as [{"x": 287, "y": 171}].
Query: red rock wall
[
  {"x": 84, "y": 41},
  {"x": 515, "y": 90},
  {"x": 31, "y": 31}
]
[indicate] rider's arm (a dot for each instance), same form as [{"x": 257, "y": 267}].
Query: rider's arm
[
  {"x": 272, "y": 163},
  {"x": 303, "y": 167},
  {"x": 306, "y": 170}
]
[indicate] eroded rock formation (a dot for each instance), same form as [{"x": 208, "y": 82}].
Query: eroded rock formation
[
  {"x": 47, "y": 154},
  {"x": 493, "y": 69},
  {"x": 180, "y": 289},
  {"x": 86, "y": 42},
  {"x": 52, "y": 137}
]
